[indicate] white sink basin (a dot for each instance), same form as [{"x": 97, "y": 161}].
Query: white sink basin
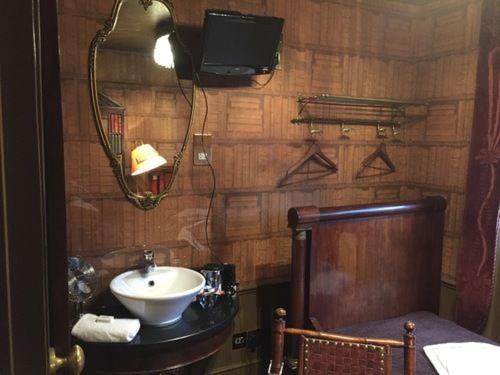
[{"x": 159, "y": 297}]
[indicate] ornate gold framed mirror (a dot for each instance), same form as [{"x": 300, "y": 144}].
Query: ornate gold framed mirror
[{"x": 142, "y": 108}]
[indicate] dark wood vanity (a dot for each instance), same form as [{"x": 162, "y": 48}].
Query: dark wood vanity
[{"x": 181, "y": 348}]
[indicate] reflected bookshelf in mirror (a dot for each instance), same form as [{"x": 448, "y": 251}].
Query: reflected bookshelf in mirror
[{"x": 113, "y": 120}]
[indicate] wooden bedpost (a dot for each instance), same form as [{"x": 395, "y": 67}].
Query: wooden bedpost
[
  {"x": 298, "y": 276},
  {"x": 278, "y": 341},
  {"x": 409, "y": 349},
  {"x": 299, "y": 220}
]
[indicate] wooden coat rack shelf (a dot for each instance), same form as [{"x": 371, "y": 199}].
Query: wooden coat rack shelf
[{"x": 329, "y": 109}]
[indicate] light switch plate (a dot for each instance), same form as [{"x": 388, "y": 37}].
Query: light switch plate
[{"x": 202, "y": 152}]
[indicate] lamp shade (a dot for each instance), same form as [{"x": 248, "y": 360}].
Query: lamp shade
[{"x": 144, "y": 159}]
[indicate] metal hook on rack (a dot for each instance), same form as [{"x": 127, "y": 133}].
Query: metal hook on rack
[
  {"x": 380, "y": 131},
  {"x": 344, "y": 131},
  {"x": 394, "y": 131},
  {"x": 313, "y": 129}
]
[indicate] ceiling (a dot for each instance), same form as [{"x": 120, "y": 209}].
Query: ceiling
[{"x": 415, "y": 2}]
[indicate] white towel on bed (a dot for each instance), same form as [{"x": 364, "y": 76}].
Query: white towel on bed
[
  {"x": 466, "y": 358},
  {"x": 93, "y": 328}
]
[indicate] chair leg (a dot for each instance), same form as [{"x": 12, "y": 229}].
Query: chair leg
[{"x": 278, "y": 342}]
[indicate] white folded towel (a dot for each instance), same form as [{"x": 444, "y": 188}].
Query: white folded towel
[
  {"x": 93, "y": 328},
  {"x": 464, "y": 358}
]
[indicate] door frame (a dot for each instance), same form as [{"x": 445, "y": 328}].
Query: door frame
[{"x": 32, "y": 204}]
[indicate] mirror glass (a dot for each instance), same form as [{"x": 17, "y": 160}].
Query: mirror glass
[{"x": 141, "y": 106}]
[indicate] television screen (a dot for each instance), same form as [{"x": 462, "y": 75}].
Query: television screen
[{"x": 236, "y": 44}]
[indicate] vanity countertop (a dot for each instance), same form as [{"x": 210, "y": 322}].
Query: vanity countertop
[{"x": 196, "y": 324}]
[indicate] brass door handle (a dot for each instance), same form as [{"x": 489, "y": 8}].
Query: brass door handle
[{"x": 74, "y": 361}]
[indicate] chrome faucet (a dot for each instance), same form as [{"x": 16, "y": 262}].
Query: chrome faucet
[{"x": 149, "y": 264}]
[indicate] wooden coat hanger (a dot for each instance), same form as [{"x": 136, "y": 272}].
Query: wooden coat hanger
[
  {"x": 379, "y": 153},
  {"x": 313, "y": 154}
]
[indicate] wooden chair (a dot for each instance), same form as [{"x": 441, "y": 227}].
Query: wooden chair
[{"x": 322, "y": 353}]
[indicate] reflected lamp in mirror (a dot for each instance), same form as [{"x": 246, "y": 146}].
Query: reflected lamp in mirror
[
  {"x": 144, "y": 159},
  {"x": 163, "y": 55}
]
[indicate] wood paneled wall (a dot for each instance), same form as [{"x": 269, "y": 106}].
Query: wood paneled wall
[
  {"x": 446, "y": 59},
  {"x": 374, "y": 48}
]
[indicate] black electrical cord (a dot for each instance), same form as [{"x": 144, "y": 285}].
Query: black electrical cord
[
  {"x": 262, "y": 85},
  {"x": 196, "y": 77},
  {"x": 212, "y": 170},
  {"x": 182, "y": 91}
]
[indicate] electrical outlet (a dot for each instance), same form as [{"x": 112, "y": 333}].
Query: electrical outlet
[
  {"x": 254, "y": 339},
  {"x": 202, "y": 149},
  {"x": 239, "y": 340}
]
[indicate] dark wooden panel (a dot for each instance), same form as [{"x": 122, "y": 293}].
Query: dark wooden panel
[
  {"x": 367, "y": 262},
  {"x": 55, "y": 204},
  {"x": 23, "y": 251},
  {"x": 373, "y": 269},
  {"x": 5, "y": 350}
]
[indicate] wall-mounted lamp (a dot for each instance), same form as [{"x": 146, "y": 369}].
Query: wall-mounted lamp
[
  {"x": 144, "y": 159},
  {"x": 163, "y": 52}
]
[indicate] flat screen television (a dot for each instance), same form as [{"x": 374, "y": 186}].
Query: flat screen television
[{"x": 237, "y": 44}]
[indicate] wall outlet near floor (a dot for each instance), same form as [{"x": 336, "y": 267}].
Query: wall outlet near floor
[
  {"x": 202, "y": 149},
  {"x": 239, "y": 340},
  {"x": 254, "y": 339}
]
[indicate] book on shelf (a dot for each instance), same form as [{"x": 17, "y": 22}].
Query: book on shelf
[
  {"x": 112, "y": 140},
  {"x": 153, "y": 180},
  {"x": 113, "y": 118},
  {"x": 115, "y": 128},
  {"x": 111, "y": 123},
  {"x": 116, "y": 121},
  {"x": 161, "y": 180}
]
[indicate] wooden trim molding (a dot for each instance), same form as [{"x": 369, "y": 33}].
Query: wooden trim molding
[
  {"x": 55, "y": 198},
  {"x": 23, "y": 206},
  {"x": 300, "y": 217},
  {"x": 6, "y": 354}
]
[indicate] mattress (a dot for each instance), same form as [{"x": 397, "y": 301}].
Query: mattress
[{"x": 430, "y": 329}]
